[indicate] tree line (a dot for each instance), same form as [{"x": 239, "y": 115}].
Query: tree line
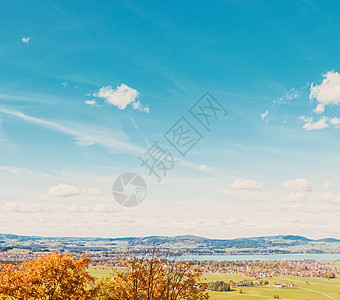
[{"x": 57, "y": 277}]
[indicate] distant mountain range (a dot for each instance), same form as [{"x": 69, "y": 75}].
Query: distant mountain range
[{"x": 186, "y": 244}]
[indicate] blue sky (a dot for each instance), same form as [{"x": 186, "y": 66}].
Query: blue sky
[{"x": 87, "y": 87}]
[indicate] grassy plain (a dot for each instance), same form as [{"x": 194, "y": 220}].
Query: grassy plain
[{"x": 305, "y": 288}]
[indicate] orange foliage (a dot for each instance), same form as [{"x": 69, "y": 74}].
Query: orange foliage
[
  {"x": 63, "y": 277},
  {"x": 50, "y": 277},
  {"x": 155, "y": 279}
]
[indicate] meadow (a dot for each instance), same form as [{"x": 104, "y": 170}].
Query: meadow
[{"x": 305, "y": 288}]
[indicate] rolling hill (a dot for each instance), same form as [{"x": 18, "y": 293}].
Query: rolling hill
[{"x": 187, "y": 244}]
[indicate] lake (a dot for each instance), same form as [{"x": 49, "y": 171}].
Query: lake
[{"x": 318, "y": 257}]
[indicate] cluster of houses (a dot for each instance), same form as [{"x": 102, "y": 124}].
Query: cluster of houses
[
  {"x": 286, "y": 284},
  {"x": 257, "y": 269},
  {"x": 271, "y": 269},
  {"x": 8, "y": 257}
]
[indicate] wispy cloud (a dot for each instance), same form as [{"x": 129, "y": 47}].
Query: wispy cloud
[
  {"x": 138, "y": 106},
  {"x": 290, "y": 95},
  {"x": 17, "y": 171},
  {"x": 83, "y": 136},
  {"x": 10, "y": 169},
  {"x": 264, "y": 115}
]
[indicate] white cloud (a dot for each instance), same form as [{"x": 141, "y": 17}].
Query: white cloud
[
  {"x": 63, "y": 190},
  {"x": 246, "y": 184},
  {"x": 335, "y": 121},
  {"x": 264, "y": 115},
  {"x": 328, "y": 92},
  {"x": 101, "y": 208},
  {"x": 91, "y": 102},
  {"x": 121, "y": 97},
  {"x": 321, "y": 124},
  {"x": 138, "y": 106},
  {"x": 318, "y": 125},
  {"x": 332, "y": 198},
  {"x": 91, "y": 191},
  {"x": 206, "y": 168},
  {"x": 26, "y": 40},
  {"x": 320, "y": 108},
  {"x": 11, "y": 207},
  {"x": 295, "y": 197},
  {"x": 298, "y": 185},
  {"x": 64, "y": 84}
]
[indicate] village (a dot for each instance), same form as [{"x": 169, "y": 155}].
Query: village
[
  {"x": 256, "y": 269},
  {"x": 262, "y": 269}
]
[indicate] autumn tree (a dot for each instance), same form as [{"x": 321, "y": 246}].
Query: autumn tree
[
  {"x": 50, "y": 277},
  {"x": 154, "y": 278},
  {"x": 220, "y": 286}
]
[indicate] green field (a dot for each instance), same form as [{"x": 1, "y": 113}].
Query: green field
[
  {"x": 101, "y": 272},
  {"x": 315, "y": 289}
]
